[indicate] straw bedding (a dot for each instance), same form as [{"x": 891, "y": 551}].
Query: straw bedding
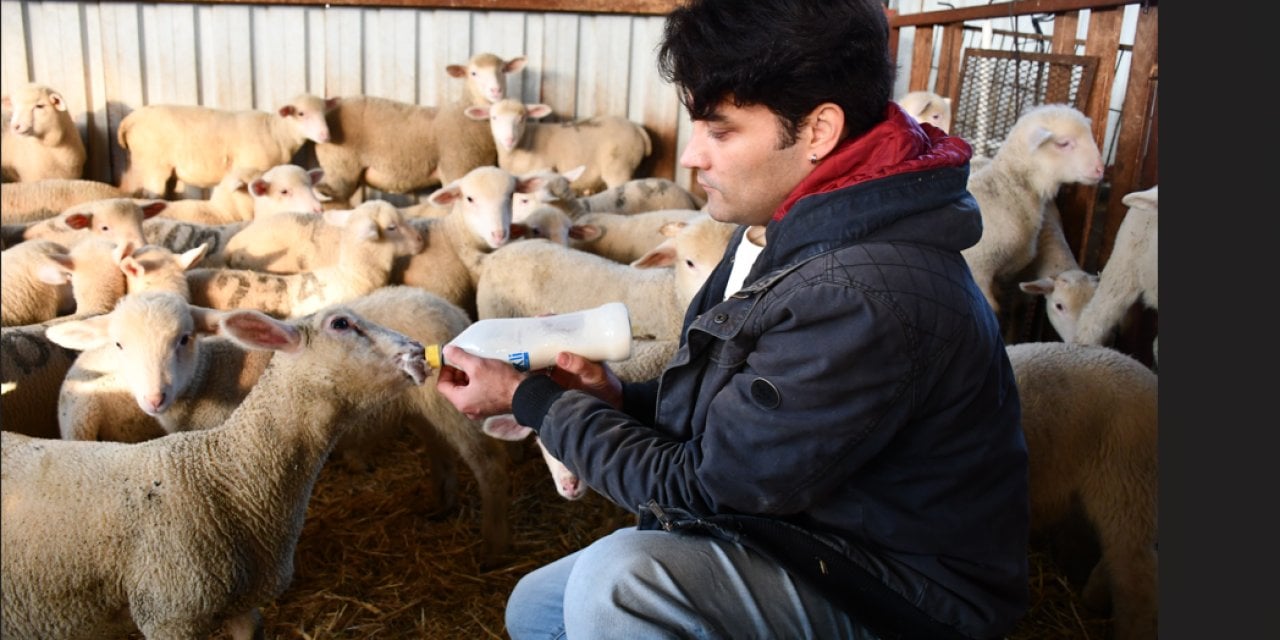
[{"x": 376, "y": 561}]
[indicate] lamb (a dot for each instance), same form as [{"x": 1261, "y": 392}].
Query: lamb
[
  {"x": 157, "y": 381},
  {"x": 40, "y": 141},
  {"x": 1066, "y": 287},
  {"x": 33, "y": 284},
  {"x": 1131, "y": 272},
  {"x": 117, "y": 219},
  {"x": 928, "y": 107},
  {"x": 478, "y": 222},
  {"x": 284, "y": 187},
  {"x": 366, "y": 253},
  {"x": 632, "y": 196},
  {"x": 1049, "y": 146},
  {"x": 504, "y": 427},
  {"x": 200, "y": 146},
  {"x": 155, "y": 268},
  {"x": 196, "y": 529},
  {"x": 610, "y": 147},
  {"x": 624, "y": 237},
  {"x": 292, "y": 242},
  {"x": 31, "y": 201},
  {"x": 398, "y": 147},
  {"x": 1090, "y": 415},
  {"x": 1066, "y": 294},
  {"x": 534, "y": 278}
]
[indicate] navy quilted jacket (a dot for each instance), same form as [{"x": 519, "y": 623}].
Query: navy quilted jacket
[{"x": 851, "y": 411}]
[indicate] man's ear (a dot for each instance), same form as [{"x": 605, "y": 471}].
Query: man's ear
[{"x": 826, "y": 123}]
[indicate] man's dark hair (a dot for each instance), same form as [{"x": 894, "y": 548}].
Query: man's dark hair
[{"x": 786, "y": 55}]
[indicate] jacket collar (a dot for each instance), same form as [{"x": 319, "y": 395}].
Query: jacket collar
[{"x": 897, "y": 145}]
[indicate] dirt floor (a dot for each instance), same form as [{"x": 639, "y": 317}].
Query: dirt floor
[{"x": 374, "y": 561}]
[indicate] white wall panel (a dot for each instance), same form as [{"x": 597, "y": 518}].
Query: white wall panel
[{"x": 109, "y": 58}]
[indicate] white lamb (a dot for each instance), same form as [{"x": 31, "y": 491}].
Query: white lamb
[
  {"x": 610, "y": 147},
  {"x": 478, "y": 222},
  {"x": 399, "y": 147},
  {"x": 1066, "y": 287},
  {"x": 1131, "y": 273},
  {"x": 537, "y": 278},
  {"x": 177, "y": 536},
  {"x": 928, "y": 107},
  {"x": 504, "y": 427},
  {"x": 1049, "y": 146},
  {"x": 632, "y": 196},
  {"x": 41, "y": 140},
  {"x": 292, "y": 242},
  {"x": 1091, "y": 419},
  {"x": 366, "y": 254},
  {"x": 119, "y": 220},
  {"x": 32, "y": 285},
  {"x": 198, "y": 146},
  {"x": 172, "y": 373},
  {"x": 625, "y": 237},
  {"x": 285, "y": 187},
  {"x": 36, "y": 200}
]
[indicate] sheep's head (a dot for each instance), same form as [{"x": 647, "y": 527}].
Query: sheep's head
[
  {"x": 1055, "y": 143},
  {"x": 486, "y": 76},
  {"x": 36, "y": 109},
  {"x": 1066, "y": 295},
  {"x": 153, "y": 336}
]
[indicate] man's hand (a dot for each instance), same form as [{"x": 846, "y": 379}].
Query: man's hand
[
  {"x": 573, "y": 371},
  {"x": 478, "y": 387}
]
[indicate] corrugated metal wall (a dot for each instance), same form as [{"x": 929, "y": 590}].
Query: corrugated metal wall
[{"x": 108, "y": 58}]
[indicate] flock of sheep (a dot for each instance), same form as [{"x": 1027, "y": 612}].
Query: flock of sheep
[{"x": 177, "y": 371}]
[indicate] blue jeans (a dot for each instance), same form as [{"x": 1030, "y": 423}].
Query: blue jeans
[{"x": 641, "y": 585}]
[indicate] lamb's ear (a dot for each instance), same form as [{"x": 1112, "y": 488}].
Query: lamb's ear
[
  {"x": 504, "y": 427},
  {"x": 538, "y": 110},
  {"x": 663, "y": 255},
  {"x": 446, "y": 195},
  {"x": 316, "y": 175},
  {"x": 456, "y": 70},
  {"x": 575, "y": 173},
  {"x": 513, "y": 65},
  {"x": 1041, "y": 287},
  {"x": 153, "y": 208},
  {"x": 1038, "y": 137},
  {"x": 477, "y": 112},
  {"x": 121, "y": 251},
  {"x": 259, "y": 187},
  {"x": 192, "y": 256},
  {"x": 81, "y": 335},
  {"x": 206, "y": 319},
  {"x": 256, "y": 330},
  {"x": 586, "y": 232},
  {"x": 55, "y": 269}
]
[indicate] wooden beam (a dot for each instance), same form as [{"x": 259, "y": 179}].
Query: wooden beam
[
  {"x": 1006, "y": 10},
  {"x": 1103, "y": 42},
  {"x": 949, "y": 59},
  {"x": 921, "y": 59},
  {"x": 1132, "y": 135},
  {"x": 637, "y": 7}
]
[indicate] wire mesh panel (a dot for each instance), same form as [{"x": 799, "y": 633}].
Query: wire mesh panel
[{"x": 995, "y": 88}]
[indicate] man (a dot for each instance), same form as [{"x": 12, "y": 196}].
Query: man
[{"x": 835, "y": 450}]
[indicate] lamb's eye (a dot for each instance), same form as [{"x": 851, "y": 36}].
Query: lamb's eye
[
  {"x": 1058, "y": 306},
  {"x": 284, "y": 192},
  {"x": 184, "y": 340},
  {"x": 341, "y": 323},
  {"x": 688, "y": 263},
  {"x": 471, "y": 200},
  {"x": 120, "y": 346}
]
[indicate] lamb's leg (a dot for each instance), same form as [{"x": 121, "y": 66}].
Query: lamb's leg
[{"x": 247, "y": 626}]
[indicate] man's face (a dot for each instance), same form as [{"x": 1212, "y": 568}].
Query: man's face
[{"x": 740, "y": 166}]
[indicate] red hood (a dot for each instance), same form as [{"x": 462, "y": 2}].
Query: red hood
[{"x": 897, "y": 145}]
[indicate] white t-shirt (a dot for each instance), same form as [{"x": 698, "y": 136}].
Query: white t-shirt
[{"x": 746, "y": 256}]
